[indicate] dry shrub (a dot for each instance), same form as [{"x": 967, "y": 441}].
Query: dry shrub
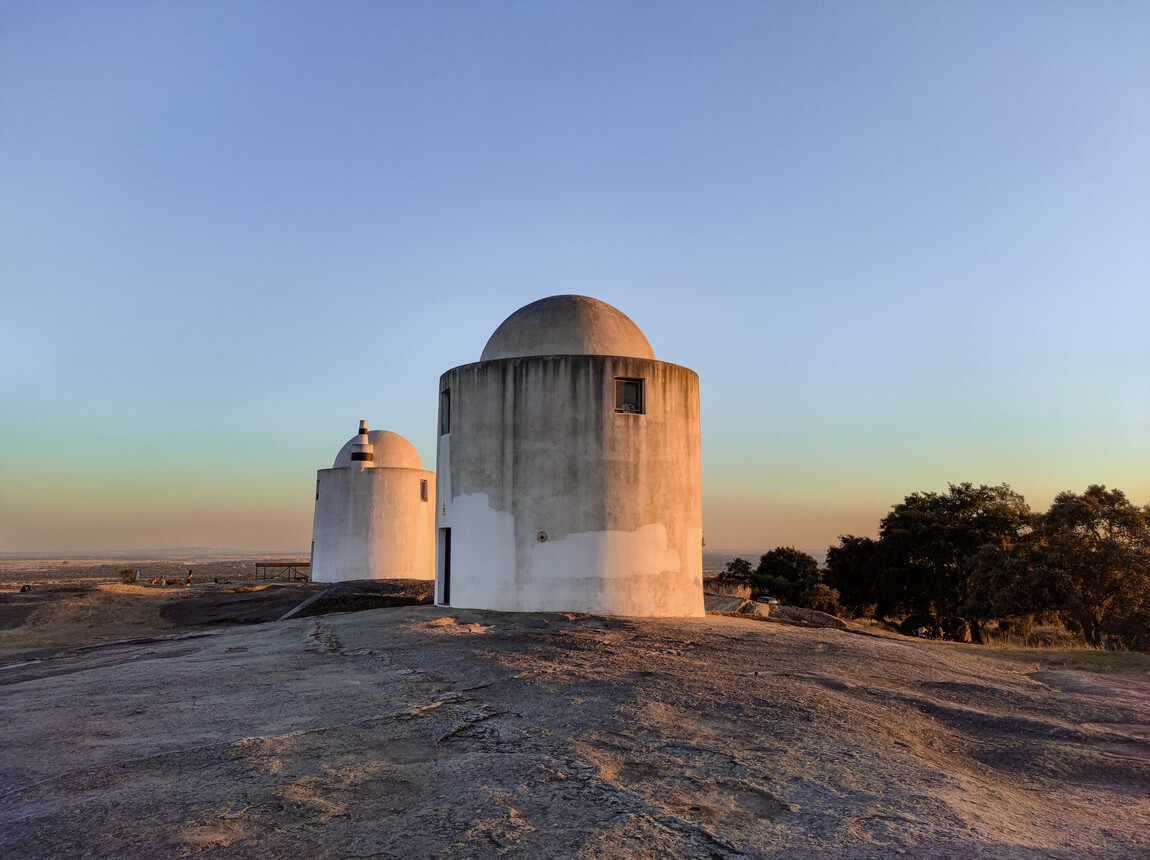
[
  {"x": 1026, "y": 633},
  {"x": 1054, "y": 636},
  {"x": 822, "y": 598},
  {"x": 1020, "y": 626}
]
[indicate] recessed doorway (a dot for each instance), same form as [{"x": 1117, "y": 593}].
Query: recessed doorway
[{"x": 445, "y": 554}]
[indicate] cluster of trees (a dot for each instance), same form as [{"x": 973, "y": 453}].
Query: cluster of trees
[
  {"x": 980, "y": 553},
  {"x": 790, "y": 575}
]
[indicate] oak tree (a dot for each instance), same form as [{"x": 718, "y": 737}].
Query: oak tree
[{"x": 1095, "y": 561}]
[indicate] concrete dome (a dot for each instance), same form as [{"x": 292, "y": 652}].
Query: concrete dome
[
  {"x": 392, "y": 451},
  {"x": 567, "y": 325}
]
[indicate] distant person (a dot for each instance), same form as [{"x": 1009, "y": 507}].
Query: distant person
[{"x": 189, "y": 582}]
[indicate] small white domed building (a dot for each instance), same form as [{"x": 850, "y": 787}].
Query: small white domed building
[
  {"x": 374, "y": 512},
  {"x": 568, "y": 472}
]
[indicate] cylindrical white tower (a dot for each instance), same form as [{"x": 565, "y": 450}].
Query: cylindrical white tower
[
  {"x": 568, "y": 471},
  {"x": 374, "y": 512}
]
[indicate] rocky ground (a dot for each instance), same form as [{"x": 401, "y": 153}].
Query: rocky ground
[{"x": 423, "y": 732}]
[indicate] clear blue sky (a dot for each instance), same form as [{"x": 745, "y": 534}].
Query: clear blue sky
[{"x": 902, "y": 243}]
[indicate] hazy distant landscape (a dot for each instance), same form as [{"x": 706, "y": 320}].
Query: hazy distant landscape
[
  {"x": 198, "y": 553},
  {"x": 713, "y": 559}
]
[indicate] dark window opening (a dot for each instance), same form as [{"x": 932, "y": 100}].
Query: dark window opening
[
  {"x": 423, "y": 490},
  {"x": 446, "y": 566},
  {"x": 629, "y": 396},
  {"x": 444, "y": 412}
]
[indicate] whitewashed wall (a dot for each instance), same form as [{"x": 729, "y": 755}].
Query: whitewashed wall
[
  {"x": 372, "y": 524},
  {"x": 556, "y": 502}
]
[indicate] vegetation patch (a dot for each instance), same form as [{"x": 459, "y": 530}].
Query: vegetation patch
[{"x": 976, "y": 564}]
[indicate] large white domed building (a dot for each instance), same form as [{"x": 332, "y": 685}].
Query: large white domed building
[
  {"x": 568, "y": 472},
  {"x": 374, "y": 512}
]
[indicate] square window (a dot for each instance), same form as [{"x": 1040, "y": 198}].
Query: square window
[{"x": 629, "y": 396}]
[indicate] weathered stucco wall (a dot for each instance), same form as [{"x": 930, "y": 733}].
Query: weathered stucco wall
[
  {"x": 372, "y": 524},
  {"x": 555, "y": 501}
]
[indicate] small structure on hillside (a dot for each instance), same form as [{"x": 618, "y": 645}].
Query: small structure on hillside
[
  {"x": 374, "y": 512},
  {"x": 568, "y": 471}
]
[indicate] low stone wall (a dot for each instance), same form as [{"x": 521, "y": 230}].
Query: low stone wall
[
  {"x": 805, "y": 617},
  {"x": 712, "y": 585},
  {"x": 717, "y": 604},
  {"x": 737, "y": 606}
]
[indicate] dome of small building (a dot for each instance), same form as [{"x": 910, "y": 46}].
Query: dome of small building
[
  {"x": 567, "y": 325},
  {"x": 391, "y": 451}
]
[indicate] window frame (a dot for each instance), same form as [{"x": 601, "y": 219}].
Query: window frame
[{"x": 620, "y": 403}]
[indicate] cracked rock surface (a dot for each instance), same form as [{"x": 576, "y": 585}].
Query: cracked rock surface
[{"x": 425, "y": 732}]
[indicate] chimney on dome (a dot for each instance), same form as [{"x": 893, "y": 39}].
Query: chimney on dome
[{"x": 362, "y": 452}]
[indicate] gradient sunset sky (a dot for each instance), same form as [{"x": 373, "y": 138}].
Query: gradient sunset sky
[{"x": 902, "y": 243}]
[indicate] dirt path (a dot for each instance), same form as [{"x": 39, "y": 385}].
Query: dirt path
[{"x": 415, "y": 732}]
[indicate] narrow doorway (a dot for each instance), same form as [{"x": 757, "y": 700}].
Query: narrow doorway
[{"x": 446, "y": 566}]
